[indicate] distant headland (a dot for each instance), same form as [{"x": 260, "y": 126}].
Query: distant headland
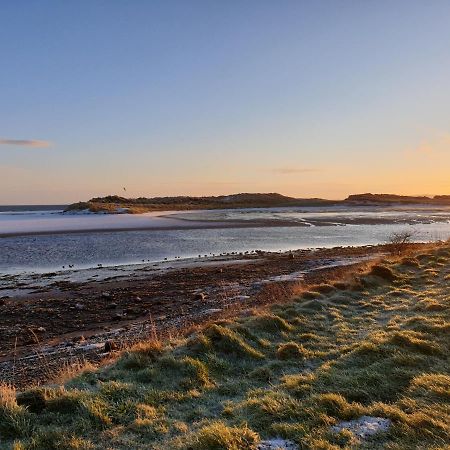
[{"x": 114, "y": 204}]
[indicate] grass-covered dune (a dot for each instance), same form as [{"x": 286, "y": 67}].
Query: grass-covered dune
[
  {"x": 113, "y": 203},
  {"x": 377, "y": 345}
]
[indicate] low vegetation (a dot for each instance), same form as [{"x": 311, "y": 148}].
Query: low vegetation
[
  {"x": 376, "y": 346},
  {"x": 115, "y": 204}
]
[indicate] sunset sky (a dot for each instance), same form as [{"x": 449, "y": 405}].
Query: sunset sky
[{"x": 305, "y": 98}]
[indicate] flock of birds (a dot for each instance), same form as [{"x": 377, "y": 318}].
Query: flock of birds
[{"x": 248, "y": 252}]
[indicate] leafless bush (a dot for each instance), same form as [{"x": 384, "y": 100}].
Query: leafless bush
[{"x": 399, "y": 241}]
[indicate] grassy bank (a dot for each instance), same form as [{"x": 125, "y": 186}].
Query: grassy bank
[
  {"x": 113, "y": 203},
  {"x": 376, "y": 345}
]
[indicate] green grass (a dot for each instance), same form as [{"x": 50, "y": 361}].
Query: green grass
[{"x": 378, "y": 345}]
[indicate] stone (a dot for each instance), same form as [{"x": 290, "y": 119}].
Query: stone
[
  {"x": 110, "y": 346},
  {"x": 200, "y": 296},
  {"x": 106, "y": 295},
  {"x": 364, "y": 427}
]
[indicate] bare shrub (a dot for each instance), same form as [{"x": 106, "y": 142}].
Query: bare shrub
[{"x": 399, "y": 241}]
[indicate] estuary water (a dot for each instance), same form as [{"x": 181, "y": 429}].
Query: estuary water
[{"x": 45, "y": 239}]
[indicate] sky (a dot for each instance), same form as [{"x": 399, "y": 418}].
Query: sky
[{"x": 189, "y": 97}]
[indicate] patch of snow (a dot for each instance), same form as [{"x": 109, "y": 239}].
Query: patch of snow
[
  {"x": 277, "y": 444},
  {"x": 364, "y": 427}
]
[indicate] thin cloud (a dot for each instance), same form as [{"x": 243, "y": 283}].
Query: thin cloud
[
  {"x": 25, "y": 143},
  {"x": 293, "y": 170}
]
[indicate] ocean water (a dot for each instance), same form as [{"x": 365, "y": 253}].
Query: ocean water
[{"x": 310, "y": 228}]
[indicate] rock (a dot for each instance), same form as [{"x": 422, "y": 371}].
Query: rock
[
  {"x": 277, "y": 444},
  {"x": 2, "y": 302},
  {"x": 110, "y": 346},
  {"x": 364, "y": 427},
  {"x": 79, "y": 306},
  {"x": 41, "y": 330},
  {"x": 106, "y": 295},
  {"x": 200, "y": 296},
  {"x": 117, "y": 317},
  {"x": 111, "y": 305},
  {"x": 138, "y": 299},
  {"x": 291, "y": 256}
]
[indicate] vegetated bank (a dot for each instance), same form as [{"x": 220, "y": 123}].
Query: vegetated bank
[
  {"x": 376, "y": 345},
  {"x": 114, "y": 204}
]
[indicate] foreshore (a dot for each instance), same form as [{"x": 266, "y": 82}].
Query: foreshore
[{"x": 91, "y": 313}]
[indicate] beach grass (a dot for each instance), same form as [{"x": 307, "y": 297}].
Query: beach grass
[{"x": 376, "y": 345}]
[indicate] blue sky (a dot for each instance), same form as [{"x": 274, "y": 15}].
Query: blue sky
[{"x": 306, "y": 98}]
